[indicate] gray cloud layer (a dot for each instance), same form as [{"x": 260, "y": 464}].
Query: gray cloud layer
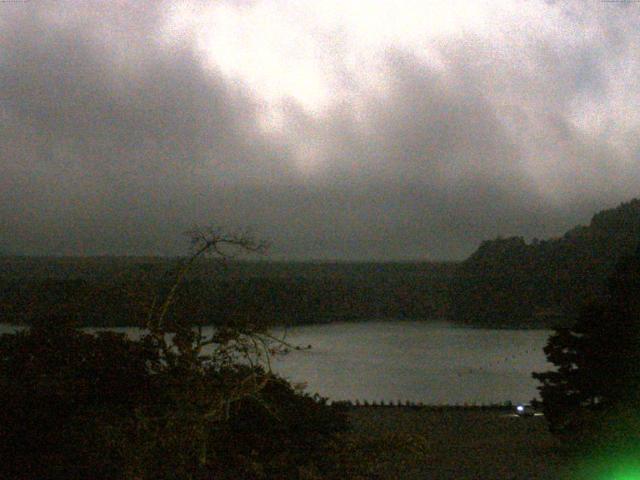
[{"x": 115, "y": 140}]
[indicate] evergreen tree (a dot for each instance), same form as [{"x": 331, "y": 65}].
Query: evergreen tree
[{"x": 597, "y": 360}]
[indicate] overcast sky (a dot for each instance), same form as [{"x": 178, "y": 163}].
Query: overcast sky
[{"x": 337, "y": 129}]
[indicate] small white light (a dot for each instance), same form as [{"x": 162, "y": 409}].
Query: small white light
[{"x": 520, "y": 408}]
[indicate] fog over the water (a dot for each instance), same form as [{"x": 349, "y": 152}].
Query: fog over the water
[{"x": 339, "y": 130}]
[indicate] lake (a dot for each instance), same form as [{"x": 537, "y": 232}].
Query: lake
[{"x": 433, "y": 363}]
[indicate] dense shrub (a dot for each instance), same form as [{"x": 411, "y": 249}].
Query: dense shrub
[
  {"x": 78, "y": 405},
  {"x": 63, "y": 394}
]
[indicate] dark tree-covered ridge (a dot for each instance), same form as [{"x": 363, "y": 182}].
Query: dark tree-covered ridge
[
  {"x": 508, "y": 282},
  {"x": 118, "y": 291}
]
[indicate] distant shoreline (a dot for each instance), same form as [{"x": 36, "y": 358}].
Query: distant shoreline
[{"x": 442, "y": 322}]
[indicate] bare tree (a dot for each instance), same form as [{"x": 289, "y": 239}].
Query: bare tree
[{"x": 187, "y": 348}]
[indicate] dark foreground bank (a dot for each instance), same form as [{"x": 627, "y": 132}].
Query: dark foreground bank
[{"x": 454, "y": 443}]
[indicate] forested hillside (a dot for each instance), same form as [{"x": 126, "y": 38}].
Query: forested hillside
[{"x": 508, "y": 282}]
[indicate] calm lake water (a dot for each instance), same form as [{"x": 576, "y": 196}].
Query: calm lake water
[{"x": 434, "y": 363}]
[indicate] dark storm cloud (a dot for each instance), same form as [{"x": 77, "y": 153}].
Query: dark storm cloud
[
  {"x": 115, "y": 139},
  {"x": 439, "y": 163},
  {"x": 99, "y": 139},
  {"x": 148, "y": 106}
]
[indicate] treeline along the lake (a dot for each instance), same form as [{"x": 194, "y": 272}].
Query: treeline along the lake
[
  {"x": 507, "y": 282},
  {"x": 119, "y": 291}
]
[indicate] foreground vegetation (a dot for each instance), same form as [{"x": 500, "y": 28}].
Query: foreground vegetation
[
  {"x": 75, "y": 405},
  {"x": 79, "y": 406}
]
